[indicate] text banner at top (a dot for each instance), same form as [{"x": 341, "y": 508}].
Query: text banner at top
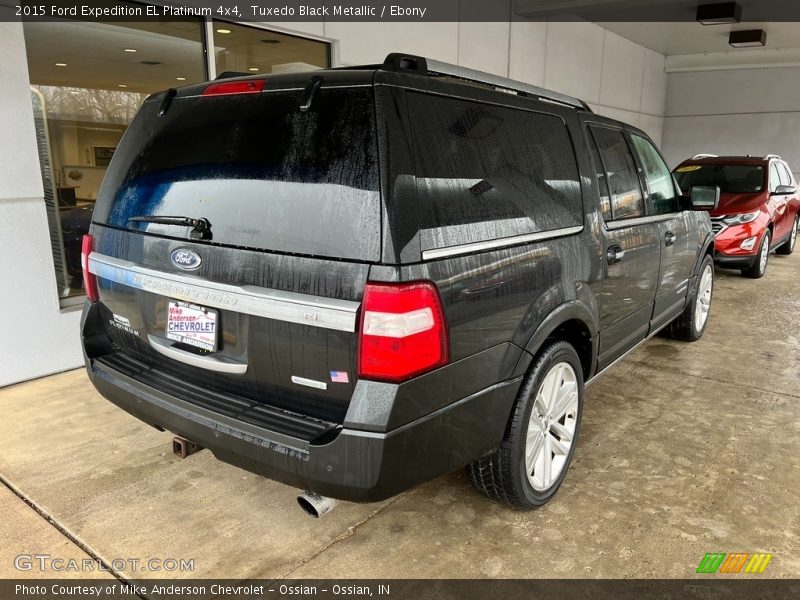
[{"x": 400, "y": 11}]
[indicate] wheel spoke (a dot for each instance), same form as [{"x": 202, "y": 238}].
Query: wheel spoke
[
  {"x": 562, "y": 432},
  {"x": 555, "y": 385},
  {"x": 547, "y": 461},
  {"x": 556, "y": 445},
  {"x": 534, "y": 431},
  {"x": 545, "y": 395},
  {"x": 567, "y": 395},
  {"x": 540, "y": 404},
  {"x": 532, "y": 450}
]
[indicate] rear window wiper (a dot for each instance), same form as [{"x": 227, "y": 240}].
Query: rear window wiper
[{"x": 201, "y": 228}]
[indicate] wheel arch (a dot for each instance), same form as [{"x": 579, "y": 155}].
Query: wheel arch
[
  {"x": 707, "y": 248},
  {"x": 571, "y": 322}
]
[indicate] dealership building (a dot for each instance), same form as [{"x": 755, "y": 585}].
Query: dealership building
[{"x": 69, "y": 90}]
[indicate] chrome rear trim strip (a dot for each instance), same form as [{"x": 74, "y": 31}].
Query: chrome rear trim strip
[
  {"x": 500, "y": 243},
  {"x": 220, "y": 364},
  {"x": 305, "y": 309}
]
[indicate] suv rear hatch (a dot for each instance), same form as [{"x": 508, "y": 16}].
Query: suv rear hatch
[{"x": 251, "y": 305}]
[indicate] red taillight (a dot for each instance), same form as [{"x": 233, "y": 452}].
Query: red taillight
[
  {"x": 234, "y": 87},
  {"x": 403, "y": 331},
  {"x": 89, "y": 279}
]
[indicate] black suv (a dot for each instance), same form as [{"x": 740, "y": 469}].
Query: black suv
[{"x": 355, "y": 280}]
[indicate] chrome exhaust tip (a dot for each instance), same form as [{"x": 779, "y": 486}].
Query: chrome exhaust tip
[{"x": 315, "y": 505}]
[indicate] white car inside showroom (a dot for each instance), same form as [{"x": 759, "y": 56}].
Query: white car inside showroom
[{"x": 445, "y": 298}]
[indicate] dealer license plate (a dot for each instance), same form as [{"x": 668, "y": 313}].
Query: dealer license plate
[{"x": 192, "y": 324}]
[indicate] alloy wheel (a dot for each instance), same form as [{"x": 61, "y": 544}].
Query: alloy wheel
[
  {"x": 703, "y": 303},
  {"x": 764, "y": 255},
  {"x": 794, "y": 233},
  {"x": 551, "y": 428}
]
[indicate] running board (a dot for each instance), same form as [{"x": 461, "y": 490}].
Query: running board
[{"x": 652, "y": 334}]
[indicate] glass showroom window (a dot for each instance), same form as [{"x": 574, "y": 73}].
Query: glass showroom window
[
  {"x": 241, "y": 49},
  {"x": 87, "y": 82}
]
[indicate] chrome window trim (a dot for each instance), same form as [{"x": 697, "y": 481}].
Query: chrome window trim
[
  {"x": 622, "y": 223},
  {"x": 499, "y": 243},
  {"x": 305, "y": 309}
]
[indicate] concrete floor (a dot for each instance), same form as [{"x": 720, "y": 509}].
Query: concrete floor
[{"x": 685, "y": 449}]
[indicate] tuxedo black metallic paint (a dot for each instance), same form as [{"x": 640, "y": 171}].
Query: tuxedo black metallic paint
[{"x": 366, "y": 440}]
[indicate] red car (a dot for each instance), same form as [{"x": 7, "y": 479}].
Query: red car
[{"x": 758, "y": 207}]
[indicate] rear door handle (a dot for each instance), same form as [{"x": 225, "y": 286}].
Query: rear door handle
[
  {"x": 483, "y": 290},
  {"x": 614, "y": 254},
  {"x": 669, "y": 238}
]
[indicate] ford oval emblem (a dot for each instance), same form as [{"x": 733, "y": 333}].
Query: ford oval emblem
[{"x": 185, "y": 259}]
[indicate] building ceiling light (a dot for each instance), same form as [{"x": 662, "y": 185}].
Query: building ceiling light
[
  {"x": 61, "y": 64},
  {"x": 129, "y": 49},
  {"x": 223, "y": 30},
  {"x": 122, "y": 85},
  {"x": 749, "y": 38},
  {"x": 253, "y": 69},
  {"x": 716, "y": 14},
  {"x": 181, "y": 78}
]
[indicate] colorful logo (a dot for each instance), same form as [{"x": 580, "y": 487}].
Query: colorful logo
[{"x": 736, "y": 562}]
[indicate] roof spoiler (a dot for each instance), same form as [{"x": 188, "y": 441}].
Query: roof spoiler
[
  {"x": 399, "y": 62},
  {"x": 232, "y": 74}
]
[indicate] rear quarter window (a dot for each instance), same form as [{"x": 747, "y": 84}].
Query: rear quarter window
[{"x": 485, "y": 172}]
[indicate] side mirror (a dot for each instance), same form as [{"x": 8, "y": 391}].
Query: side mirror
[
  {"x": 701, "y": 197},
  {"x": 784, "y": 190}
]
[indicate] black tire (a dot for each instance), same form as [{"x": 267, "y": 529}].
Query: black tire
[
  {"x": 501, "y": 475},
  {"x": 787, "y": 247},
  {"x": 686, "y": 327},
  {"x": 758, "y": 269}
]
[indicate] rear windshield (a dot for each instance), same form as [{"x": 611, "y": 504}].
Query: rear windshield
[
  {"x": 731, "y": 179},
  {"x": 263, "y": 173},
  {"x": 487, "y": 172}
]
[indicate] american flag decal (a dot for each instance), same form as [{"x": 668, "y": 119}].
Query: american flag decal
[{"x": 339, "y": 377}]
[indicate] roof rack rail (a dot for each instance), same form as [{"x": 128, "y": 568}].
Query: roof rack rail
[
  {"x": 425, "y": 66},
  {"x": 696, "y": 156},
  {"x": 768, "y": 156}
]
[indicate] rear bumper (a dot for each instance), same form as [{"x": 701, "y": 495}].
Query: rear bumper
[
  {"x": 357, "y": 462},
  {"x": 360, "y": 466}
]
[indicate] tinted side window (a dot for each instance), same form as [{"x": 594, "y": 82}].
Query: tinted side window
[
  {"x": 600, "y": 175},
  {"x": 486, "y": 172},
  {"x": 663, "y": 198},
  {"x": 626, "y": 195}
]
